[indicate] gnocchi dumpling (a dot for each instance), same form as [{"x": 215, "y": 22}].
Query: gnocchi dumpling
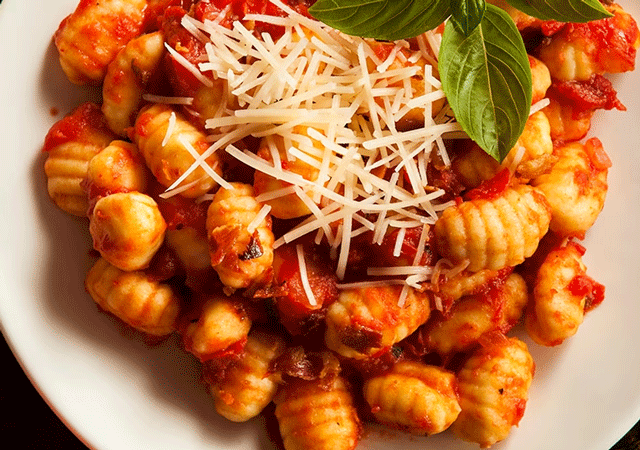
[
  {"x": 136, "y": 298},
  {"x": 117, "y": 168},
  {"x": 127, "y": 78},
  {"x": 496, "y": 232},
  {"x": 493, "y": 387},
  {"x": 70, "y": 144},
  {"x": 317, "y": 415},
  {"x": 561, "y": 293},
  {"x": 365, "y": 321},
  {"x": 580, "y": 50},
  {"x": 88, "y": 39},
  {"x": 576, "y": 186},
  {"x": 222, "y": 323},
  {"x": 414, "y": 397},
  {"x": 240, "y": 255},
  {"x": 250, "y": 384},
  {"x": 498, "y": 309},
  {"x": 127, "y": 229},
  {"x": 166, "y": 140}
]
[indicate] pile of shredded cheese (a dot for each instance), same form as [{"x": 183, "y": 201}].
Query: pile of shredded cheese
[{"x": 349, "y": 101}]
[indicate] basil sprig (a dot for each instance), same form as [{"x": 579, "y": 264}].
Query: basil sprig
[{"x": 483, "y": 63}]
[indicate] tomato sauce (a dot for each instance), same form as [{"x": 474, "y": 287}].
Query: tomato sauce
[
  {"x": 595, "y": 93},
  {"x": 491, "y": 188},
  {"x": 79, "y": 126}
]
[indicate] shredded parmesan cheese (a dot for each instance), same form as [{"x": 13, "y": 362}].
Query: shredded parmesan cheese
[
  {"x": 304, "y": 276},
  {"x": 257, "y": 220},
  {"x": 371, "y": 176}
]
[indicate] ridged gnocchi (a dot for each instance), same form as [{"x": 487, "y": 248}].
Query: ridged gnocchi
[
  {"x": 579, "y": 51},
  {"x": 117, "y": 168},
  {"x": 414, "y": 397},
  {"x": 222, "y": 323},
  {"x": 165, "y": 138},
  {"x": 366, "y": 321},
  {"x": 317, "y": 415},
  {"x": 70, "y": 144},
  {"x": 494, "y": 233},
  {"x": 134, "y": 297},
  {"x": 576, "y": 186},
  {"x": 250, "y": 384},
  {"x": 561, "y": 294},
  {"x": 465, "y": 283},
  {"x": 240, "y": 255},
  {"x": 498, "y": 309},
  {"x": 493, "y": 388},
  {"x": 127, "y": 78},
  {"x": 89, "y": 38}
]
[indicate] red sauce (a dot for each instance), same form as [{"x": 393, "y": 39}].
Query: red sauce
[
  {"x": 491, "y": 188},
  {"x": 187, "y": 45},
  {"x": 583, "y": 285},
  {"x": 551, "y": 27},
  {"x": 295, "y": 311},
  {"x": 79, "y": 126},
  {"x": 597, "y": 156},
  {"x": 595, "y": 93},
  {"x": 142, "y": 128},
  {"x": 238, "y": 9},
  {"x": 180, "y": 212},
  {"x": 215, "y": 367}
]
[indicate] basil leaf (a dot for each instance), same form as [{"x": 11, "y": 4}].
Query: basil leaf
[
  {"x": 565, "y": 11},
  {"x": 382, "y": 19},
  {"x": 487, "y": 80},
  {"x": 468, "y": 14}
]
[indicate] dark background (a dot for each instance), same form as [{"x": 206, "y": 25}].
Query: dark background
[{"x": 29, "y": 423}]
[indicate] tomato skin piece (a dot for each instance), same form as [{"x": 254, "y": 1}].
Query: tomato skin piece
[
  {"x": 80, "y": 126},
  {"x": 296, "y": 313},
  {"x": 491, "y": 188}
]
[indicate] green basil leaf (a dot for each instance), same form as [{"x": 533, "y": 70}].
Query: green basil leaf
[
  {"x": 487, "y": 80},
  {"x": 565, "y": 11},
  {"x": 382, "y": 19},
  {"x": 468, "y": 14}
]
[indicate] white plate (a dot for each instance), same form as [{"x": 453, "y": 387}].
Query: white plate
[{"x": 116, "y": 393}]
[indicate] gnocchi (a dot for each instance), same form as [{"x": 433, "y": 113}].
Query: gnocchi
[
  {"x": 89, "y": 38},
  {"x": 127, "y": 229},
  {"x": 414, "y": 397},
  {"x": 317, "y": 415},
  {"x": 241, "y": 256},
  {"x": 561, "y": 295},
  {"x": 250, "y": 384},
  {"x": 70, "y": 145},
  {"x": 493, "y": 388},
  {"x": 134, "y": 297},
  {"x": 494, "y": 233}
]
